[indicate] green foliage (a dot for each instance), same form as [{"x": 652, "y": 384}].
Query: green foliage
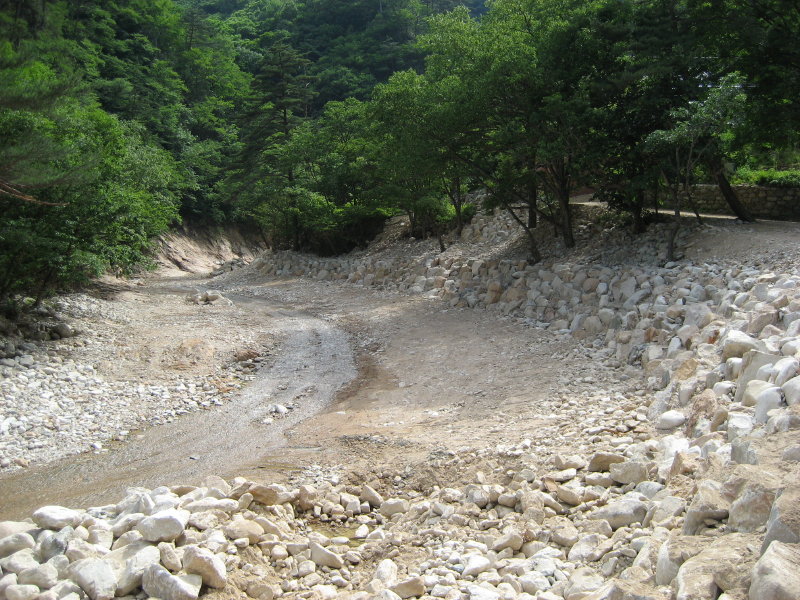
[{"x": 769, "y": 177}]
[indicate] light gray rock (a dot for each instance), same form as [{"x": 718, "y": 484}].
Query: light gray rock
[
  {"x": 15, "y": 542},
  {"x": 562, "y": 531},
  {"x": 767, "y": 400},
  {"x": 386, "y": 572},
  {"x": 475, "y": 565},
  {"x": 21, "y": 592},
  {"x": 721, "y": 566},
  {"x": 394, "y": 506},
  {"x": 533, "y": 582},
  {"x": 791, "y": 391},
  {"x": 602, "y": 461},
  {"x": 19, "y": 561},
  {"x": 511, "y": 540},
  {"x": 624, "y": 511},
  {"x": 736, "y": 343},
  {"x": 670, "y": 420},
  {"x": 582, "y": 582},
  {"x": 157, "y": 582},
  {"x": 44, "y": 576},
  {"x": 708, "y": 503},
  {"x": 590, "y": 548},
  {"x": 629, "y": 472},
  {"x": 324, "y": 557},
  {"x": 410, "y": 588},
  {"x": 163, "y": 526},
  {"x": 130, "y": 563},
  {"x": 752, "y": 362},
  {"x": 203, "y": 562},
  {"x": 95, "y": 577},
  {"x": 243, "y": 528},
  {"x": 56, "y": 517},
  {"x": 480, "y": 592},
  {"x": 8, "y": 528},
  {"x": 371, "y": 496},
  {"x": 775, "y": 576},
  {"x": 783, "y": 523},
  {"x": 671, "y": 506}
]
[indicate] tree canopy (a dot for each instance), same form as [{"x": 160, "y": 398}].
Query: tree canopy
[{"x": 313, "y": 120}]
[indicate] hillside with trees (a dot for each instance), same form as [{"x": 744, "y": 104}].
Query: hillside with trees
[{"x": 312, "y": 121}]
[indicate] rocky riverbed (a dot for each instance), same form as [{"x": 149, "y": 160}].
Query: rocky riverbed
[{"x": 634, "y": 437}]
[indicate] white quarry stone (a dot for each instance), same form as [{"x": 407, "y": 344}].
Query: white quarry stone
[
  {"x": 791, "y": 391},
  {"x": 622, "y": 512},
  {"x": 95, "y": 577},
  {"x": 475, "y": 565},
  {"x": 157, "y": 582},
  {"x": 203, "y": 562},
  {"x": 670, "y": 420},
  {"x": 386, "y": 572},
  {"x": 324, "y": 557},
  {"x": 776, "y": 576},
  {"x": 56, "y": 517},
  {"x": 164, "y": 526},
  {"x": 736, "y": 343},
  {"x": 394, "y": 506}
]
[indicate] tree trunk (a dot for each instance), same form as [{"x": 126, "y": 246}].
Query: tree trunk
[
  {"x": 676, "y": 219},
  {"x": 636, "y": 212},
  {"x": 533, "y": 247},
  {"x": 566, "y": 219},
  {"x": 717, "y": 170},
  {"x": 533, "y": 201}
]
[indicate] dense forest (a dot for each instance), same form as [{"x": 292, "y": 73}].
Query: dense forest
[{"x": 311, "y": 121}]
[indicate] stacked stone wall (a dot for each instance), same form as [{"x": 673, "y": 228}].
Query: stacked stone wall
[{"x": 763, "y": 202}]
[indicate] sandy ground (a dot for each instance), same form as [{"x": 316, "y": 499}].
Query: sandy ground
[{"x": 377, "y": 381}]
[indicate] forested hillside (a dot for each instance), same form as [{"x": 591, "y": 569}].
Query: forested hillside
[{"x": 312, "y": 120}]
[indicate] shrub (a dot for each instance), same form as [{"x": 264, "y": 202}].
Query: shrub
[{"x": 769, "y": 177}]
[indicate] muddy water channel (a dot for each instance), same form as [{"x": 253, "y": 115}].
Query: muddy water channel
[{"x": 314, "y": 360}]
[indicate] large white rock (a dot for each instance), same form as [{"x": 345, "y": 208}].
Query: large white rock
[
  {"x": 14, "y": 542},
  {"x": 783, "y": 523},
  {"x": 19, "y": 561},
  {"x": 386, "y": 572},
  {"x": 670, "y": 420},
  {"x": 476, "y": 564},
  {"x": 410, "y": 588},
  {"x": 735, "y": 343},
  {"x": 56, "y": 517},
  {"x": 164, "y": 526},
  {"x": 629, "y": 471},
  {"x": 205, "y": 563},
  {"x": 96, "y": 578},
  {"x": 44, "y": 576},
  {"x": 776, "y": 575},
  {"x": 769, "y": 399},
  {"x": 21, "y": 592},
  {"x": 791, "y": 391},
  {"x": 130, "y": 563},
  {"x": 582, "y": 582},
  {"x": 324, "y": 557},
  {"x": 394, "y": 506},
  {"x": 159, "y": 583},
  {"x": 708, "y": 503},
  {"x": 622, "y": 512}
]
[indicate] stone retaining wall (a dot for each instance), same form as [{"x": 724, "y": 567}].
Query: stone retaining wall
[{"x": 763, "y": 202}]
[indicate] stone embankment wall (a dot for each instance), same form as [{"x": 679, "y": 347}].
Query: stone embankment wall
[{"x": 762, "y": 202}]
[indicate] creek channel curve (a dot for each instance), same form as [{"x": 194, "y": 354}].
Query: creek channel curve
[{"x": 313, "y": 362}]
